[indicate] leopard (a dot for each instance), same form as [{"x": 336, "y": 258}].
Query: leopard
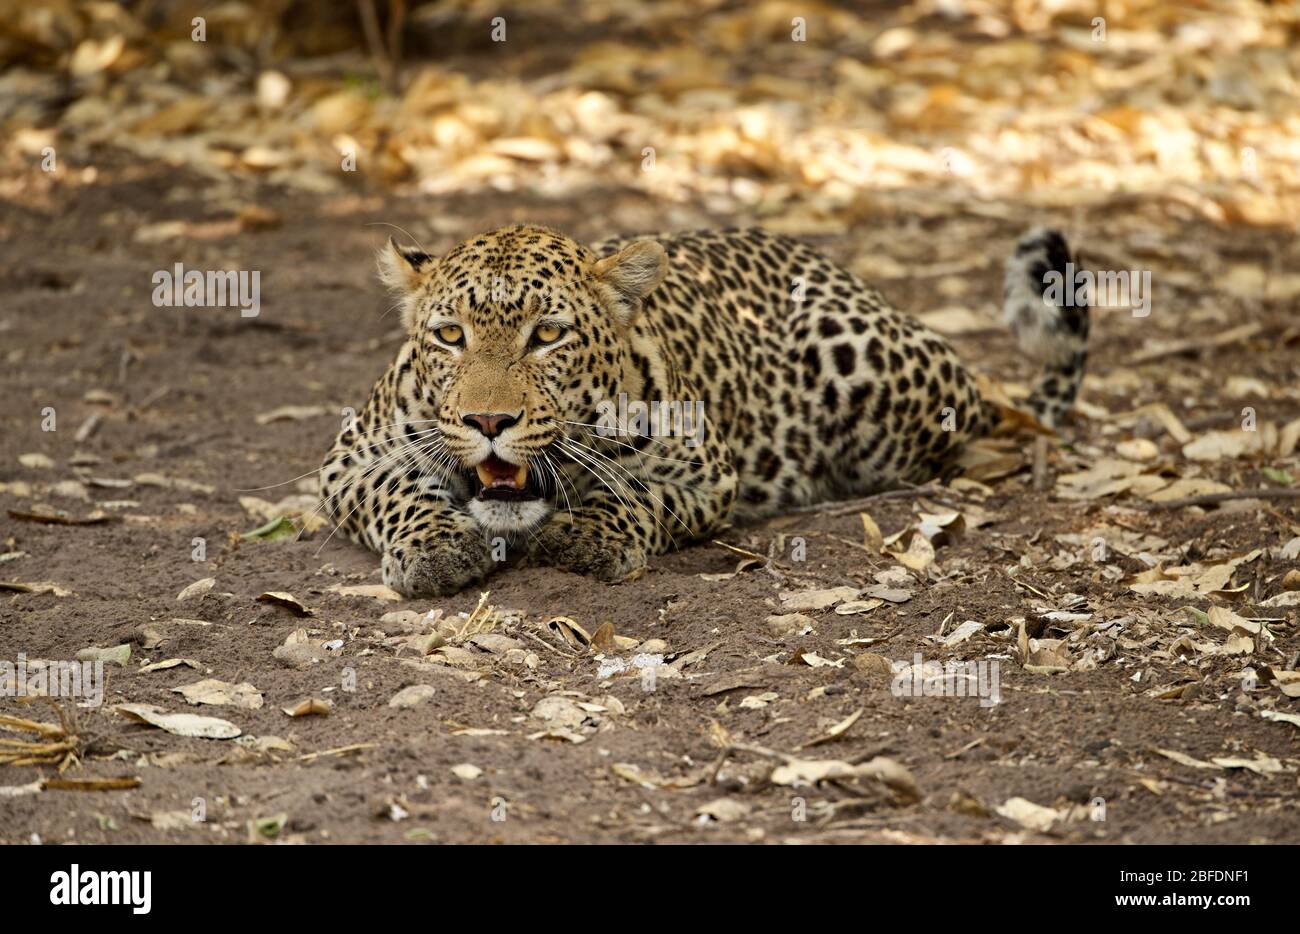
[{"x": 591, "y": 407}]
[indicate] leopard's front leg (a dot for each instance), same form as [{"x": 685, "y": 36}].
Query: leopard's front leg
[
  {"x": 602, "y": 540},
  {"x": 384, "y": 489},
  {"x": 430, "y": 545},
  {"x": 446, "y": 553},
  {"x": 635, "y": 507}
]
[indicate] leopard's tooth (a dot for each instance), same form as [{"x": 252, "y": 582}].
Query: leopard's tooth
[
  {"x": 484, "y": 476},
  {"x": 521, "y": 476}
]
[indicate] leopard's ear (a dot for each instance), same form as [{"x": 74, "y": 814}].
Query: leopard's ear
[
  {"x": 402, "y": 268},
  {"x": 630, "y": 275}
]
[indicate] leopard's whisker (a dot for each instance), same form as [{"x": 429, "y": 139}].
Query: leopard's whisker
[
  {"x": 636, "y": 480},
  {"x": 310, "y": 473},
  {"x": 424, "y": 449},
  {"x": 631, "y": 491},
  {"x": 579, "y": 458},
  {"x": 403, "y": 230},
  {"x": 384, "y": 460},
  {"x": 559, "y": 481},
  {"x": 410, "y": 421}
]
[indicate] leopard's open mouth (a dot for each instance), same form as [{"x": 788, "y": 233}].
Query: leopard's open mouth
[{"x": 501, "y": 480}]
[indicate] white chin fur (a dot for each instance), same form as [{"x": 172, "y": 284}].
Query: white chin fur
[{"x": 501, "y": 517}]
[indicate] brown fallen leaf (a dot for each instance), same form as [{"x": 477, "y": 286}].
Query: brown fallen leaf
[
  {"x": 196, "y": 589},
  {"x": 761, "y": 676},
  {"x": 602, "y": 640},
  {"x": 378, "y": 591},
  {"x": 872, "y": 540},
  {"x": 312, "y": 706},
  {"x": 723, "y": 810},
  {"x": 221, "y": 693},
  {"x": 1261, "y": 764},
  {"x": 1029, "y": 815},
  {"x": 117, "y": 654},
  {"x": 888, "y": 594},
  {"x": 812, "y": 771},
  {"x": 167, "y": 663},
  {"x": 559, "y": 733},
  {"x": 569, "y": 630},
  {"x": 182, "y": 724},
  {"x": 800, "y": 600},
  {"x": 285, "y": 600},
  {"x": 412, "y": 696}
]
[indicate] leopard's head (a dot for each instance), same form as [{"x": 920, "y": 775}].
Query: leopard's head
[{"x": 518, "y": 334}]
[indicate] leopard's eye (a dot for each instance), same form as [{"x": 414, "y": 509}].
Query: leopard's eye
[
  {"x": 547, "y": 334},
  {"x": 452, "y": 334}
]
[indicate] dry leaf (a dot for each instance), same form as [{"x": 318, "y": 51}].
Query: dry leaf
[
  {"x": 378, "y": 591},
  {"x": 1183, "y": 759},
  {"x": 221, "y": 693},
  {"x": 286, "y": 600},
  {"x": 310, "y": 707},
  {"x": 1027, "y": 814},
  {"x": 723, "y": 810},
  {"x": 182, "y": 724},
  {"x": 412, "y": 696},
  {"x": 196, "y": 589},
  {"x": 816, "y": 599},
  {"x": 836, "y": 731},
  {"x": 871, "y": 537},
  {"x": 294, "y": 413}
]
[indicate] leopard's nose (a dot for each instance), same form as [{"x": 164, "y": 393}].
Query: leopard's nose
[{"x": 490, "y": 424}]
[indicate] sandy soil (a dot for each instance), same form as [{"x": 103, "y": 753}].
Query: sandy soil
[{"x": 177, "y": 392}]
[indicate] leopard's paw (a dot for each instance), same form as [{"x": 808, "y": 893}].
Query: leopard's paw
[
  {"x": 584, "y": 547},
  {"x": 436, "y": 569}
]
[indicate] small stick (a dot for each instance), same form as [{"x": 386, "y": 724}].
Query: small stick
[
  {"x": 856, "y": 505},
  {"x": 88, "y": 427},
  {"x": 1040, "y": 463},
  {"x": 339, "y": 751},
  {"x": 1030, "y": 587},
  {"x": 370, "y": 28},
  {"x": 741, "y": 551},
  {"x": 540, "y": 641}
]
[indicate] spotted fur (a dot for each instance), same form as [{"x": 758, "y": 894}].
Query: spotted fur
[{"x": 813, "y": 388}]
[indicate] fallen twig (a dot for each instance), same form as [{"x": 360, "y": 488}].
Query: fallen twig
[
  {"x": 1197, "y": 344},
  {"x": 932, "y": 490},
  {"x": 340, "y": 751},
  {"x": 743, "y": 552}
]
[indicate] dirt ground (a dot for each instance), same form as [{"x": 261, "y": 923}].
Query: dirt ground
[{"x": 692, "y": 756}]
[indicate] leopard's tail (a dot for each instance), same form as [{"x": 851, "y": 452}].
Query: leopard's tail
[{"x": 1038, "y": 305}]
